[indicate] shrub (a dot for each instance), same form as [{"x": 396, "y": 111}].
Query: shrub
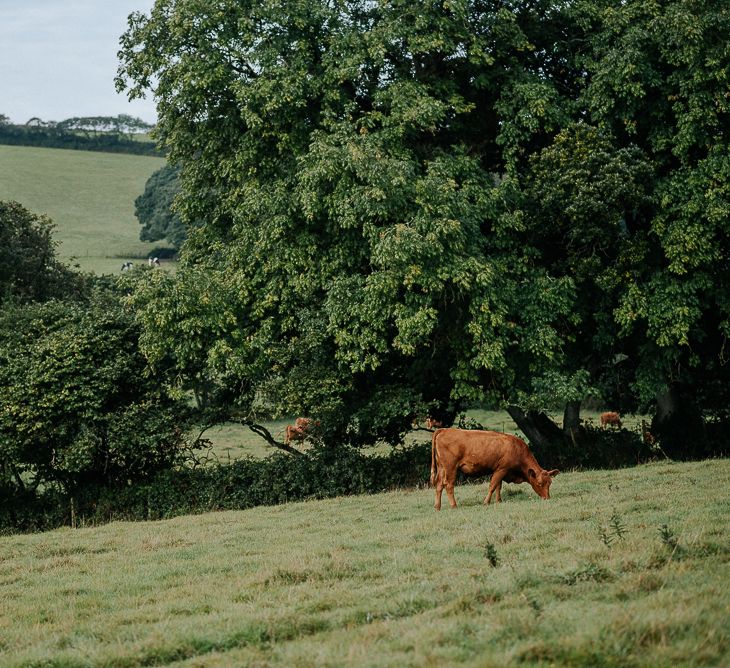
[
  {"x": 596, "y": 448},
  {"x": 78, "y": 405},
  {"x": 280, "y": 478}
]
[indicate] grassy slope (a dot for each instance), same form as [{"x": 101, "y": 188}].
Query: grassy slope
[
  {"x": 385, "y": 581},
  {"x": 88, "y": 195}
]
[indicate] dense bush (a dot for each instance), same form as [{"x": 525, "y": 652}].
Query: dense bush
[
  {"x": 29, "y": 269},
  {"x": 153, "y": 208},
  {"x": 281, "y": 478},
  {"x": 78, "y": 404},
  {"x": 596, "y": 448}
]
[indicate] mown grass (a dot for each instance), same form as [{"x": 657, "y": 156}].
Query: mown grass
[
  {"x": 88, "y": 195},
  {"x": 384, "y": 580}
]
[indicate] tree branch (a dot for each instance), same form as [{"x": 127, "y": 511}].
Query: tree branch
[{"x": 266, "y": 435}]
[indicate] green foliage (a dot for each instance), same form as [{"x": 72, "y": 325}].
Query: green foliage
[
  {"x": 154, "y": 208},
  {"x": 405, "y": 205},
  {"x": 668, "y": 537},
  {"x": 351, "y": 210},
  {"x": 616, "y": 529},
  {"x": 490, "y": 553},
  {"x": 123, "y": 124},
  {"x": 78, "y": 404},
  {"x": 245, "y": 483},
  {"x": 596, "y": 448},
  {"x": 29, "y": 269}
]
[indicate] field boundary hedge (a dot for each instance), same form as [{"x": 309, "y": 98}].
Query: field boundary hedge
[
  {"x": 245, "y": 483},
  {"x": 280, "y": 478},
  {"x": 18, "y": 135}
]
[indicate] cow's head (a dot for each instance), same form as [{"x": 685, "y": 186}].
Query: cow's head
[{"x": 540, "y": 481}]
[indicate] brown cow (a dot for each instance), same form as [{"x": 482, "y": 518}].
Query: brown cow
[
  {"x": 646, "y": 435},
  {"x": 433, "y": 423},
  {"x": 299, "y": 430},
  {"x": 478, "y": 452},
  {"x": 611, "y": 418}
]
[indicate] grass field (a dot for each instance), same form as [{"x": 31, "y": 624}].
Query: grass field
[
  {"x": 88, "y": 195},
  {"x": 619, "y": 568},
  {"x": 232, "y": 441}
]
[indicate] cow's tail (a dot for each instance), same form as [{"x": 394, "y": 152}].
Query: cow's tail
[{"x": 432, "y": 480}]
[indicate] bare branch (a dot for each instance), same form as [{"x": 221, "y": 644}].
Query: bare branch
[{"x": 266, "y": 435}]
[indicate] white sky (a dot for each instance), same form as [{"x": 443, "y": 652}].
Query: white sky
[{"x": 58, "y": 59}]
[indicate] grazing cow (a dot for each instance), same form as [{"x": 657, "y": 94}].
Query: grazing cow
[
  {"x": 433, "y": 423},
  {"x": 611, "y": 418},
  {"x": 646, "y": 435},
  {"x": 477, "y": 452},
  {"x": 299, "y": 430}
]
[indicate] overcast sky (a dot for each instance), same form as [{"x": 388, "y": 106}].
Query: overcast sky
[{"x": 58, "y": 59}]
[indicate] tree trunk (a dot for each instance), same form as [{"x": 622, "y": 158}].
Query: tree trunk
[
  {"x": 571, "y": 420},
  {"x": 678, "y": 425},
  {"x": 539, "y": 429}
]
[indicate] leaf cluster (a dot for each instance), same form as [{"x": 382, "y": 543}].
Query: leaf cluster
[{"x": 404, "y": 205}]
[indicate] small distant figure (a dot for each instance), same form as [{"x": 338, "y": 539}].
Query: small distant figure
[
  {"x": 127, "y": 266},
  {"x": 611, "y": 419},
  {"x": 430, "y": 423},
  {"x": 153, "y": 261},
  {"x": 646, "y": 435},
  {"x": 433, "y": 423},
  {"x": 300, "y": 430}
]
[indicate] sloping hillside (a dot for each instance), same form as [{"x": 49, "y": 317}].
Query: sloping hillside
[
  {"x": 90, "y": 196},
  {"x": 624, "y": 568}
]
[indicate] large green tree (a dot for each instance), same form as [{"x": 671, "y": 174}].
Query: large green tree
[{"x": 409, "y": 205}]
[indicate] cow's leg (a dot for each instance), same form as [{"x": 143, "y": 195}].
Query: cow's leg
[
  {"x": 495, "y": 484},
  {"x": 439, "y": 489},
  {"x": 450, "y": 481}
]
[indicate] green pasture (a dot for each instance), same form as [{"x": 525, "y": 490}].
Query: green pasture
[
  {"x": 88, "y": 195},
  {"x": 619, "y": 568},
  {"x": 231, "y": 441}
]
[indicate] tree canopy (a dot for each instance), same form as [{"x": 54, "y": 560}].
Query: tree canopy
[
  {"x": 154, "y": 208},
  {"x": 29, "y": 269},
  {"x": 411, "y": 206},
  {"x": 78, "y": 402}
]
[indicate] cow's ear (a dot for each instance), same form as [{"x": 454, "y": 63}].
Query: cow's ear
[
  {"x": 553, "y": 473},
  {"x": 531, "y": 473}
]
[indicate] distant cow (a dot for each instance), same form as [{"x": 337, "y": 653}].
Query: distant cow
[
  {"x": 299, "y": 430},
  {"x": 646, "y": 435},
  {"x": 611, "y": 418},
  {"x": 430, "y": 422},
  {"x": 433, "y": 423},
  {"x": 477, "y": 452}
]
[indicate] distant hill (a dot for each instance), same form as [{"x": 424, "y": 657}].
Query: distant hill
[{"x": 89, "y": 195}]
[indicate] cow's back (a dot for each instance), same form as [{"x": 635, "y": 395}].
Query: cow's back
[{"x": 478, "y": 452}]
